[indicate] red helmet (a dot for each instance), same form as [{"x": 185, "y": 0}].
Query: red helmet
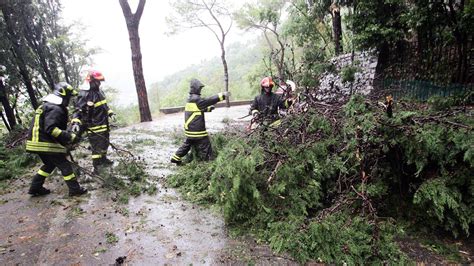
[
  {"x": 267, "y": 82},
  {"x": 94, "y": 74}
]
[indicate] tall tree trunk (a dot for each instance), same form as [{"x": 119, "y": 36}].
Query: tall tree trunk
[
  {"x": 336, "y": 27},
  {"x": 18, "y": 54},
  {"x": 5, "y": 122},
  {"x": 6, "y": 106},
  {"x": 133, "y": 21},
  {"x": 226, "y": 73}
]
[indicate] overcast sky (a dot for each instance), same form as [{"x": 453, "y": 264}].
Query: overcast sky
[{"x": 162, "y": 55}]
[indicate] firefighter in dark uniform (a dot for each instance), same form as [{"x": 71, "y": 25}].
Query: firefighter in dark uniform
[
  {"x": 194, "y": 123},
  {"x": 48, "y": 138},
  {"x": 265, "y": 106},
  {"x": 92, "y": 116}
]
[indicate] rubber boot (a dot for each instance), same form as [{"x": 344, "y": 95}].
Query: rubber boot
[
  {"x": 36, "y": 188},
  {"x": 74, "y": 188},
  {"x": 176, "y": 162},
  {"x": 96, "y": 163}
]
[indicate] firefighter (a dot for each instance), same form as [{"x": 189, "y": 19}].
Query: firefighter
[
  {"x": 48, "y": 138},
  {"x": 194, "y": 123},
  {"x": 92, "y": 116},
  {"x": 266, "y": 105}
]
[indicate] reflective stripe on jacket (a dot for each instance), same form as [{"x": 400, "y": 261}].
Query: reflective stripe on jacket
[
  {"x": 48, "y": 132},
  {"x": 268, "y": 103},
  {"x": 92, "y": 111},
  {"x": 194, "y": 122}
]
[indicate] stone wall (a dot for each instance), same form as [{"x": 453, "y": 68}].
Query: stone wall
[{"x": 333, "y": 89}]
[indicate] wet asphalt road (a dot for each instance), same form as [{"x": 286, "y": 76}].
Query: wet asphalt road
[{"x": 149, "y": 230}]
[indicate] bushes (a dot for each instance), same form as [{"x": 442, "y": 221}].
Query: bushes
[
  {"x": 13, "y": 162},
  {"x": 316, "y": 186}
]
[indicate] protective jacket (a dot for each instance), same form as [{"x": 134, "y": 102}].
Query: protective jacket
[
  {"x": 267, "y": 104},
  {"x": 92, "y": 111},
  {"x": 48, "y": 132},
  {"x": 194, "y": 122}
]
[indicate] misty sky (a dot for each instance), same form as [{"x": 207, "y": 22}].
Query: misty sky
[{"x": 162, "y": 55}]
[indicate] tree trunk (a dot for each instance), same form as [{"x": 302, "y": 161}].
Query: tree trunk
[
  {"x": 6, "y": 106},
  {"x": 336, "y": 27},
  {"x": 226, "y": 73},
  {"x": 18, "y": 54},
  {"x": 133, "y": 21}
]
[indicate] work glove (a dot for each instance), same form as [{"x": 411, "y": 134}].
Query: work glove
[
  {"x": 226, "y": 94},
  {"x": 75, "y": 128},
  {"x": 211, "y": 108},
  {"x": 113, "y": 117},
  {"x": 255, "y": 114},
  {"x": 75, "y": 138}
]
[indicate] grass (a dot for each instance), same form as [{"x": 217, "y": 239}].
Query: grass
[{"x": 111, "y": 238}]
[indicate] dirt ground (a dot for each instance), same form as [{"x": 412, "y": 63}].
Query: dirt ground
[
  {"x": 149, "y": 230},
  {"x": 95, "y": 229}
]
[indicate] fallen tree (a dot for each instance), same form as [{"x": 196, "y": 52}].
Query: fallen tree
[{"x": 334, "y": 181}]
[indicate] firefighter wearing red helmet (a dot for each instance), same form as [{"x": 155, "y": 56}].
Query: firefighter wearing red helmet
[
  {"x": 266, "y": 104},
  {"x": 92, "y": 116}
]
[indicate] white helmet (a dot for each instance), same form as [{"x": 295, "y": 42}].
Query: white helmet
[{"x": 292, "y": 85}]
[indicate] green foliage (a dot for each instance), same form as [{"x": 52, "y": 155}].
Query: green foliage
[
  {"x": 304, "y": 196},
  {"x": 13, "y": 162},
  {"x": 337, "y": 239},
  {"x": 111, "y": 238},
  {"x": 348, "y": 73}
]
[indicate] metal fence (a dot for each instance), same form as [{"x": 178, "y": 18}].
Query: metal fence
[{"x": 422, "y": 90}]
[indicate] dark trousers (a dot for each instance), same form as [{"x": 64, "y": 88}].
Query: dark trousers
[
  {"x": 51, "y": 161},
  {"x": 99, "y": 144},
  {"x": 201, "y": 145}
]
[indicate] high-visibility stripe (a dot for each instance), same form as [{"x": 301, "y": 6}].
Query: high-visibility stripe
[
  {"x": 96, "y": 156},
  {"x": 98, "y": 127},
  {"x": 45, "y": 149},
  {"x": 76, "y": 120},
  {"x": 286, "y": 103},
  {"x": 56, "y": 132},
  {"x": 44, "y": 144},
  {"x": 43, "y": 173},
  {"x": 69, "y": 177},
  {"x": 191, "y": 107},
  {"x": 190, "y": 119},
  {"x": 97, "y": 104},
  {"x": 176, "y": 157},
  {"x": 36, "y": 125},
  {"x": 99, "y": 130},
  {"x": 209, "y": 108},
  {"x": 195, "y": 134},
  {"x": 221, "y": 96},
  {"x": 110, "y": 111}
]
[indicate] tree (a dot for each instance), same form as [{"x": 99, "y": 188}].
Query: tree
[
  {"x": 10, "y": 120},
  {"x": 210, "y": 14},
  {"x": 17, "y": 50},
  {"x": 266, "y": 17},
  {"x": 37, "y": 51},
  {"x": 133, "y": 21}
]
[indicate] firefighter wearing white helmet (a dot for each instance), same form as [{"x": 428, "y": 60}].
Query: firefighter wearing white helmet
[{"x": 48, "y": 138}]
